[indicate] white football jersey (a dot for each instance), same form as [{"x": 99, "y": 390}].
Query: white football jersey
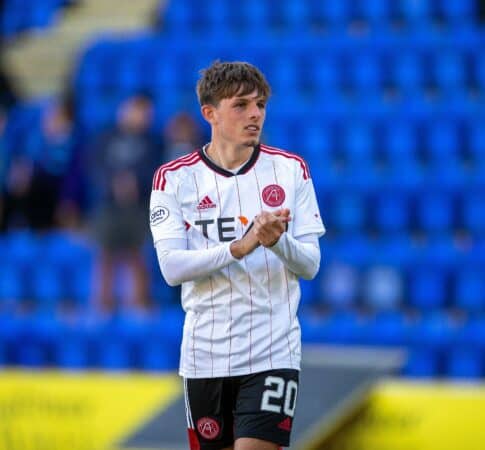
[{"x": 242, "y": 318}]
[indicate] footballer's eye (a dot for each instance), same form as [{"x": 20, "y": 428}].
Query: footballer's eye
[
  {"x": 239, "y": 105},
  {"x": 261, "y": 105}
]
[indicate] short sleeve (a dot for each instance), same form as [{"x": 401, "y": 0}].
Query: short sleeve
[
  {"x": 306, "y": 217},
  {"x": 166, "y": 221}
]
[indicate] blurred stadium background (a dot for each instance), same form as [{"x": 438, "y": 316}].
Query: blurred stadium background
[{"x": 384, "y": 98}]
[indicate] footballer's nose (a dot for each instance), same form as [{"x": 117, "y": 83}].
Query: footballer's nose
[{"x": 255, "y": 112}]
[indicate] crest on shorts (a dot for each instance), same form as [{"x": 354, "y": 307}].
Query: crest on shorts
[
  {"x": 273, "y": 195},
  {"x": 208, "y": 427}
]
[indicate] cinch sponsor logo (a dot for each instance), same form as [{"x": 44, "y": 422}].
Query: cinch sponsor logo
[{"x": 158, "y": 215}]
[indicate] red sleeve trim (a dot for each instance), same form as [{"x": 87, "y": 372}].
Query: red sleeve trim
[
  {"x": 278, "y": 151},
  {"x": 159, "y": 179}
]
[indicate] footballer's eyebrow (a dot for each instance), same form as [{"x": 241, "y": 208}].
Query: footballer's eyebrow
[{"x": 248, "y": 98}]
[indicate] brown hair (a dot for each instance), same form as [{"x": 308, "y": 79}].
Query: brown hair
[{"x": 226, "y": 79}]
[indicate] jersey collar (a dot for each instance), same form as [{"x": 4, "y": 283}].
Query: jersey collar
[{"x": 244, "y": 169}]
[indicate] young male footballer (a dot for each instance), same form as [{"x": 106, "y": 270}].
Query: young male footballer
[{"x": 237, "y": 224}]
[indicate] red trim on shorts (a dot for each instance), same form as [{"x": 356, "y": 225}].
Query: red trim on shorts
[
  {"x": 278, "y": 151},
  {"x": 194, "y": 443}
]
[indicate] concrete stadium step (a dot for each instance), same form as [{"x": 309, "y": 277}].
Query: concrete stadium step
[{"x": 40, "y": 62}]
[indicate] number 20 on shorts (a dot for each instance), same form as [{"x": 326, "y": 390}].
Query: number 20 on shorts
[{"x": 279, "y": 390}]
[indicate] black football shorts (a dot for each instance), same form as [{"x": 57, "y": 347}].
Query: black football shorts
[{"x": 260, "y": 405}]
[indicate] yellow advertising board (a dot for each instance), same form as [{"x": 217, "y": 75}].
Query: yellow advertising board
[
  {"x": 59, "y": 411},
  {"x": 417, "y": 416}
]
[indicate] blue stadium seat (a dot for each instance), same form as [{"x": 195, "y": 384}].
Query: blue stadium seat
[
  {"x": 391, "y": 212},
  {"x": 427, "y": 288},
  {"x": 295, "y": 16},
  {"x": 395, "y": 250},
  {"x": 439, "y": 251},
  {"x": 22, "y": 248},
  {"x": 473, "y": 212},
  {"x": 465, "y": 363},
  {"x": 33, "y": 344},
  {"x": 429, "y": 340},
  {"x": 422, "y": 363},
  {"x": 435, "y": 212},
  {"x": 47, "y": 286},
  {"x": 365, "y": 72},
  {"x": 316, "y": 142},
  {"x": 332, "y": 14},
  {"x": 347, "y": 212},
  {"x": 114, "y": 348},
  {"x": 406, "y": 71},
  {"x": 72, "y": 349},
  {"x": 178, "y": 18},
  {"x": 442, "y": 141},
  {"x": 343, "y": 327},
  {"x": 161, "y": 351},
  {"x": 339, "y": 286},
  {"x": 478, "y": 69},
  {"x": 476, "y": 140},
  {"x": 357, "y": 142},
  {"x": 354, "y": 249},
  {"x": 283, "y": 74},
  {"x": 415, "y": 13},
  {"x": 312, "y": 328},
  {"x": 375, "y": 12},
  {"x": 382, "y": 289},
  {"x": 72, "y": 258},
  {"x": 323, "y": 73},
  {"x": 448, "y": 70},
  {"x": 387, "y": 328},
  {"x": 469, "y": 289},
  {"x": 12, "y": 286},
  {"x": 399, "y": 142},
  {"x": 458, "y": 11},
  {"x": 216, "y": 19},
  {"x": 255, "y": 15},
  {"x": 309, "y": 293}
]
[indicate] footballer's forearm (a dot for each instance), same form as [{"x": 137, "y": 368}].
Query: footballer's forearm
[
  {"x": 178, "y": 264},
  {"x": 301, "y": 255}
]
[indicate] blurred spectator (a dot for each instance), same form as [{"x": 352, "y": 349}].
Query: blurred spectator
[
  {"x": 53, "y": 148},
  {"x": 17, "y": 205},
  {"x": 8, "y": 92},
  {"x": 122, "y": 165},
  {"x": 182, "y": 135}
]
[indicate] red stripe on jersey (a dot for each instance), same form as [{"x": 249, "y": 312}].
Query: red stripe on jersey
[
  {"x": 159, "y": 179},
  {"x": 279, "y": 151}
]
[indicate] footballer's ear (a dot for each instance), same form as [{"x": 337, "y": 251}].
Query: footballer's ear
[{"x": 208, "y": 113}]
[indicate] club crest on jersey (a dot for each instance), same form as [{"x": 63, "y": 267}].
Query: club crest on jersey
[
  {"x": 208, "y": 428},
  {"x": 158, "y": 214},
  {"x": 273, "y": 195},
  {"x": 206, "y": 203}
]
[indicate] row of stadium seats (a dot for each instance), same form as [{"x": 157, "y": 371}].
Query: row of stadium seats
[
  {"x": 423, "y": 273},
  {"x": 108, "y": 65},
  {"x": 438, "y": 344},
  {"x": 23, "y": 15},
  {"x": 304, "y": 14}
]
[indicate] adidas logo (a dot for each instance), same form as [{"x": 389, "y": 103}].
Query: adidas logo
[
  {"x": 285, "y": 424},
  {"x": 206, "y": 203}
]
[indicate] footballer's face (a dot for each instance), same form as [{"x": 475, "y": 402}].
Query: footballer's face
[{"x": 239, "y": 120}]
